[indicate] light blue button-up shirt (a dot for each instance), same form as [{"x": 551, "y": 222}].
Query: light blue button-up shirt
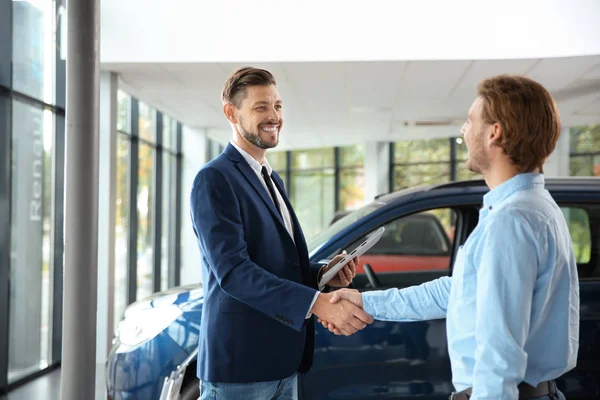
[{"x": 512, "y": 304}]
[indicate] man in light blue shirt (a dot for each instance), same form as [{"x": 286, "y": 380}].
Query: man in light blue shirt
[{"x": 512, "y": 303}]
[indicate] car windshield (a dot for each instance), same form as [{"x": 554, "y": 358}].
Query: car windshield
[{"x": 317, "y": 241}]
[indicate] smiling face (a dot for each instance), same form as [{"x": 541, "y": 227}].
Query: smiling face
[{"x": 259, "y": 117}]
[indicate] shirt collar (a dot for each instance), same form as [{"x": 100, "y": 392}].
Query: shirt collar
[
  {"x": 518, "y": 182},
  {"x": 255, "y": 165}
]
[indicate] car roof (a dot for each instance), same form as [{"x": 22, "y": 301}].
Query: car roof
[{"x": 478, "y": 186}]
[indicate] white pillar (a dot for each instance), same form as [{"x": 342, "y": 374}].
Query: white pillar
[
  {"x": 558, "y": 162},
  {"x": 106, "y": 214},
  {"x": 377, "y": 169},
  {"x": 194, "y": 157},
  {"x": 77, "y": 373}
]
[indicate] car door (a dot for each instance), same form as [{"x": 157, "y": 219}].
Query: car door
[
  {"x": 378, "y": 362},
  {"x": 582, "y": 214},
  {"x": 393, "y": 359}
]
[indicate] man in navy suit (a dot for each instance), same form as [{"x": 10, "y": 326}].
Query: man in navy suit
[{"x": 260, "y": 290}]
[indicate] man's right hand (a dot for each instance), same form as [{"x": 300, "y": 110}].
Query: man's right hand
[
  {"x": 346, "y": 316},
  {"x": 351, "y": 295}
]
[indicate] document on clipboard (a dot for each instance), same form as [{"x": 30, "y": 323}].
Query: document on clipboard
[{"x": 358, "y": 251}]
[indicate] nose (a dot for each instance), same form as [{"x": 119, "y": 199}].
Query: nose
[
  {"x": 462, "y": 129},
  {"x": 273, "y": 115}
]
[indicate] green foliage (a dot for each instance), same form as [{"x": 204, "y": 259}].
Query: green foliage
[
  {"x": 313, "y": 158},
  {"x": 585, "y": 139},
  {"x": 313, "y": 198},
  {"x": 406, "y": 176},
  {"x": 277, "y": 160},
  {"x": 422, "y": 151},
  {"x": 585, "y": 151},
  {"x": 579, "y": 228},
  {"x": 352, "y": 189},
  {"x": 352, "y": 156}
]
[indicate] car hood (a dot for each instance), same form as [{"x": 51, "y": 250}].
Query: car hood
[{"x": 186, "y": 297}]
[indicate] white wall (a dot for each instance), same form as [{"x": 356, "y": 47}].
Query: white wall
[
  {"x": 194, "y": 157},
  {"x": 342, "y": 30},
  {"x": 377, "y": 169}
]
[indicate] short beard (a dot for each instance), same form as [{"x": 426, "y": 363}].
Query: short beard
[
  {"x": 478, "y": 161},
  {"x": 255, "y": 139}
]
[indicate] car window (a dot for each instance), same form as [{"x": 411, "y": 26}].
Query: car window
[
  {"x": 579, "y": 228},
  {"x": 340, "y": 222},
  {"x": 416, "y": 242},
  {"x": 584, "y": 229}
]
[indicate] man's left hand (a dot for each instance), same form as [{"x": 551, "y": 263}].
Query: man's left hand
[{"x": 345, "y": 275}]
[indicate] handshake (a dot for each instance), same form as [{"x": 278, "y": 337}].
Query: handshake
[{"x": 341, "y": 312}]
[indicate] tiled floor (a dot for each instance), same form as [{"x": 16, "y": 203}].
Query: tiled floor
[{"x": 47, "y": 387}]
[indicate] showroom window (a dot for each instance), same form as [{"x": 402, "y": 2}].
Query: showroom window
[
  {"x": 428, "y": 161},
  {"x": 147, "y": 231},
  {"x": 584, "y": 148},
  {"x": 312, "y": 188},
  {"x": 213, "y": 149},
  {"x": 321, "y": 182},
  {"x": 32, "y": 129},
  {"x": 350, "y": 177}
]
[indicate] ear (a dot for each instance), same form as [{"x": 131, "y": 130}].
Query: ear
[
  {"x": 229, "y": 111},
  {"x": 495, "y": 134}
]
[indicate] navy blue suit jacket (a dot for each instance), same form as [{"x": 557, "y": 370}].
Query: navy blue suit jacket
[{"x": 258, "y": 284}]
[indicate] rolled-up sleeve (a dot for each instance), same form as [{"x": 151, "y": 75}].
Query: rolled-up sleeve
[{"x": 417, "y": 303}]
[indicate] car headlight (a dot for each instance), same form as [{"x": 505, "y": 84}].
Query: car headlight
[{"x": 143, "y": 325}]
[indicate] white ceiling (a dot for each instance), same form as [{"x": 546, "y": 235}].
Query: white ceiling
[
  {"x": 342, "y": 30},
  {"x": 340, "y": 103}
]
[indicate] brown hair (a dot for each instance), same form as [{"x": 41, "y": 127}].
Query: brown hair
[
  {"x": 234, "y": 90},
  {"x": 528, "y": 116}
]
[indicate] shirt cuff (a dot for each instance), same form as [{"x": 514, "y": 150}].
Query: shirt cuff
[
  {"x": 309, "y": 314},
  {"x": 319, "y": 275}
]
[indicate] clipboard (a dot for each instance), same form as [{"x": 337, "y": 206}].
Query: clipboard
[{"x": 358, "y": 251}]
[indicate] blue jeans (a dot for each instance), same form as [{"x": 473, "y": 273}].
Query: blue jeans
[{"x": 286, "y": 389}]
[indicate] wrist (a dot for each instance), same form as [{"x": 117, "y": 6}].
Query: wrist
[
  {"x": 322, "y": 301},
  {"x": 322, "y": 270}
]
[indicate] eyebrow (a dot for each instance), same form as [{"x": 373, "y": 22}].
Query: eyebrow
[{"x": 263, "y": 102}]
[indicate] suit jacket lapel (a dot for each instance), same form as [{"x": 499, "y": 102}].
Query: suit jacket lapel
[
  {"x": 254, "y": 181},
  {"x": 250, "y": 175}
]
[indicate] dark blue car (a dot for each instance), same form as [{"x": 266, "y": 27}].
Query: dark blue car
[{"x": 156, "y": 344}]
